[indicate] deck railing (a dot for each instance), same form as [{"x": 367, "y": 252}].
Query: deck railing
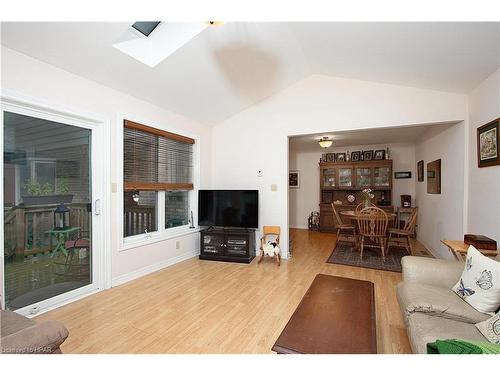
[
  {"x": 138, "y": 219},
  {"x": 26, "y": 227}
]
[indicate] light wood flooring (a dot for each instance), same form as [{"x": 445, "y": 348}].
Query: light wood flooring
[{"x": 214, "y": 307}]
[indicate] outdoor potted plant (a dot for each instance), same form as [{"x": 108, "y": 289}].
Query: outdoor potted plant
[{"x": 39, "y": 194}]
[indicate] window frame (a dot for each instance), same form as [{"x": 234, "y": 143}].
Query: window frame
[{"x": 162, "y": 233}]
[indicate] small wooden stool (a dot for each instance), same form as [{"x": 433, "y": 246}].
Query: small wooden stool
[{"x": 270, "y": 231}]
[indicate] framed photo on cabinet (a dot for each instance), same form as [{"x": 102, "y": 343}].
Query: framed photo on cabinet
[
  {"x": 356, "y": 156},
  {"x": 379, "y": 155},
  {"x": 368, "y": 155}
]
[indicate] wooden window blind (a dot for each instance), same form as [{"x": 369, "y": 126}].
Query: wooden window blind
[{"x": 155, "y": 159}]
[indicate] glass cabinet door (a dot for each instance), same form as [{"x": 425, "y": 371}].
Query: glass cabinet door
[
  {"x": 345, "y": 177},
  {"x": 328, "y": 177},
  {"x": 213, "y": 244},
  {"x": 382, "y": 176},
  {"x": 236, "y": 245},
  {"x": 363, "y": 177}
]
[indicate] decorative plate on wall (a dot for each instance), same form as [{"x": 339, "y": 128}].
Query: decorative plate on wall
[{"x": 351, "y": 198}]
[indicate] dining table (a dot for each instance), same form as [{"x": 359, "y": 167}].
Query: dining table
[{"x": 351, "y": 214}]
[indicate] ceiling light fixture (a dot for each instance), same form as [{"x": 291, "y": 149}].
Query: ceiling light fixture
[
  {"x": 215, "y": 23},
  {"x": 325, "y": 142}
]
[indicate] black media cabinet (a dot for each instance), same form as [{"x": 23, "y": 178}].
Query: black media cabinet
[{"x": 227, "y": 245}]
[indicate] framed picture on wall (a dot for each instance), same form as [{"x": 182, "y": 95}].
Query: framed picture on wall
[
  {"x": 487, "y": 144},
  {"x": 406, "y": 174},
  {"x": 420, "y": 170},
  {"x": 434, "y": 177},
  {"x": 294, "y": 179}
]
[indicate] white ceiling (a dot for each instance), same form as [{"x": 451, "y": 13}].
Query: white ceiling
[
  {"x": 227, "y": 68},
  {"x": 390, "y": 135}
]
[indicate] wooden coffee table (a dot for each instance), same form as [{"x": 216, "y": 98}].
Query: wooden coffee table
[{"x": 335, "y": 316}]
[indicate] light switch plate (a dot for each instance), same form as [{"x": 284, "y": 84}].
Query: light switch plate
[
  {"x": 274, "y": 187},
  {"x": 114, "y": 187}
]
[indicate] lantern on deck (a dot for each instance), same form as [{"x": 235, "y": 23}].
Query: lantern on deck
[{"x": 61, "y": 217}]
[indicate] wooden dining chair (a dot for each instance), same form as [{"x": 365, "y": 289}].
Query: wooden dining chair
[
  {"x": 266, "y": 232},
  {"x": 372, "y": 227},
  {"x": 401, "y": 237},
  {"x": 343, "y": 229}
]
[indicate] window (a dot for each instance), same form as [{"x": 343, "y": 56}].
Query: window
[
  {"x": 141, "y": 216},
  {"x": 176, "y": 208},
  {"x": 158, "y": 179}
]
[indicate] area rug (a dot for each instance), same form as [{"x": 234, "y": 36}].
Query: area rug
[{"x": 343, "y": 254}]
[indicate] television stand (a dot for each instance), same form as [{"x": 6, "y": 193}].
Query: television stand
[{"x": 227, "y": 244}]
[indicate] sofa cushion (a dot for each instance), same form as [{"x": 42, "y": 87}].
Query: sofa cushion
[
  {"x": 10, "y": 322},
  {"x": 42, "y": 338},
  {"x": 491, "y": 328},
  {"x": 436, "y": 301},
  {"x": 425, "y": 328},
  {"x": 479, "y": 284}
]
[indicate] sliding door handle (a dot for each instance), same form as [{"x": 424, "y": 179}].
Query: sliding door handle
[{"x": 97, "y": 207}]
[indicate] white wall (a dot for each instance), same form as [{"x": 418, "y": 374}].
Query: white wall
[
  {"x": 256, "y": 139},
  {"x": 483, "y": 211},
  {"x": 29, "y": 77},
  {"x": 307, "y": 198},
  {"x": 440, "y": 216}
]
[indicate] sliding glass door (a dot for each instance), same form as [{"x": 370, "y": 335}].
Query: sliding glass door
[{"x": 47, "y": 211}]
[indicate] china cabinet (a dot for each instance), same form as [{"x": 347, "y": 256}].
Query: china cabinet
[{"x": 344, "y": 181}]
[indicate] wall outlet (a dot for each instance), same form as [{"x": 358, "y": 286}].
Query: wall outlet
[
  {"x": 274, "y": 187},
  {"x": 260, "y": 174},
  {"x": 177, "y": 245}
]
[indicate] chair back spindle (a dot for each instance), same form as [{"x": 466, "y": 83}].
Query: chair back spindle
[
  {"x": 372, "y": 222},
  {"x": 336, "y": 215}
]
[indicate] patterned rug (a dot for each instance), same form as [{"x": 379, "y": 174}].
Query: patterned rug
[{"x": 342, "y": 254}]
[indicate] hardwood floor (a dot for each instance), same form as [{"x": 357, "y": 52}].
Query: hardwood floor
[{"x": 213, "y": 307}]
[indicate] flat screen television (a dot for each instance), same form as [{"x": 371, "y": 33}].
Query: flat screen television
[{"x": 228, "y": 208}]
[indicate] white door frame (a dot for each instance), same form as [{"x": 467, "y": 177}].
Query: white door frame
[{"x": 100, "y": 175}]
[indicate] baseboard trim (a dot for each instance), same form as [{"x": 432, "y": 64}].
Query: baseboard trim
[
  {"x": 436, "y": 254},
  {"x": 152, "y": 268}
]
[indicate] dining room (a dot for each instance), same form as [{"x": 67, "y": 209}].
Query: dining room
[{"x": 384, "y": 193}]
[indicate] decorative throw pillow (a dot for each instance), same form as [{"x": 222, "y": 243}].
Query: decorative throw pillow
[
  {"x": 479, "y": 284},
  {"x": 491, "y": 329}
]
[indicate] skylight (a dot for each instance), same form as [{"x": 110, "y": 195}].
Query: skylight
[
  {"x": 151, "y": 48},
  {"x": 145, "y": 27}
]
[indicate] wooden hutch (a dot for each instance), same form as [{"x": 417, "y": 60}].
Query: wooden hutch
[{"x": 338, "y": 180}]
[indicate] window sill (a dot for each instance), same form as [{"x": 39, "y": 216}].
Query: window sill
[{"x": 144, "y": 240}]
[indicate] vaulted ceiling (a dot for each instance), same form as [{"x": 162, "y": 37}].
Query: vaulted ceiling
[{"x": 225, "y": 69}]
